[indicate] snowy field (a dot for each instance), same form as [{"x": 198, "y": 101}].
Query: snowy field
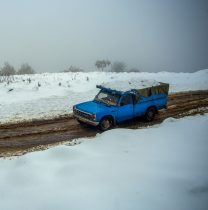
[
  {"x": 162, "y": 168},
  {"x": 57, "y": 92}
]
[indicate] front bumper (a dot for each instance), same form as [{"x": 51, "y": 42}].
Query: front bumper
[{"x": 87, "y": 121}]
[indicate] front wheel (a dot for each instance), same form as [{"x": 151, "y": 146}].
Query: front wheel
[
  {"x": 150, "y": 114},
  {"x": 105, "y": 124}
]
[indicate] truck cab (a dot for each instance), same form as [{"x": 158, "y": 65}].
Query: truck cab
[{"x": 112, "y": 106}]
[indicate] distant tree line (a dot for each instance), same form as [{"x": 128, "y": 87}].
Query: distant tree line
[
  {"x": 9, "y": 70},
  {"x": 107, "y": 66},
  {"x": 117, "y": 66}
]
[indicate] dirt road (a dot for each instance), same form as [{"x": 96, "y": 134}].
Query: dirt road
[{"x": 20, "y": 138}]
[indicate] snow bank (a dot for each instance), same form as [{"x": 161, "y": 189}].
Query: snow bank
[
  {"x": 50, "y": 94},
  {"x": 164, "y": 167}
]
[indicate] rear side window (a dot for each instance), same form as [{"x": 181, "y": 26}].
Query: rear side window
[{"x": 125, "y": 100}]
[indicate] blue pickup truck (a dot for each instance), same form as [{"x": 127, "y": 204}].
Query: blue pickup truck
[{"x": 113, "y": 105}]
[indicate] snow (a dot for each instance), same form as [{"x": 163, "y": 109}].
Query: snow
[
  {"x": 162, "y": 167},
  {"x": 58, "y": 92},
  {"x": 132, "y": 84}
]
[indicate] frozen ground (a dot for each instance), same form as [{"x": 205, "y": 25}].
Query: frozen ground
[
  {"x": 57, "y": 92},
  {"x": 162, "y": 168}
]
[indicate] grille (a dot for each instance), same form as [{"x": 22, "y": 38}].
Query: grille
[{"x": 83, "y": 114}]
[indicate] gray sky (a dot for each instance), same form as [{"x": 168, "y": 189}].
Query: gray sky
[{"x": 152, "y": 35}]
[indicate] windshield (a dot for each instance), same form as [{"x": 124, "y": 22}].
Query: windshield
[{"x": 107, "y": 98}]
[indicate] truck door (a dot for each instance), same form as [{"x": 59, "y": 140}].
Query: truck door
[
  {"x": 142, "y": 105},
  {"x": 126, "y": 108}
]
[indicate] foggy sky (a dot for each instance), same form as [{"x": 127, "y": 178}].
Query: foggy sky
[{"x": 151, "y": 35}]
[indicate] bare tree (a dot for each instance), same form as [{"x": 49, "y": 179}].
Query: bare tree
[
  {"x": 25, "y": 69},
  {"x": 118, "y": 67},
  {"x": 7, "y": 70},
  {"x": 101, "y": 64}
]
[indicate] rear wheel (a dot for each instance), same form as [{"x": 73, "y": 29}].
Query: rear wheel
[
  {"x": 150, "y": 114},
  {"x": 105, "y": 124}
]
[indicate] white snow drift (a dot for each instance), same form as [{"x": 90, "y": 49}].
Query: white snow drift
[
  {"x": 164, "y": 168},
  {"x": 52, "y": 94}
]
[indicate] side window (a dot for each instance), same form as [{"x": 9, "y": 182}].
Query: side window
[{"x": 125, "y": 100}]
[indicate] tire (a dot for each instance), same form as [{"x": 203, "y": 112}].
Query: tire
[
  {"x": 105, "y": 124},
  {"x": 150, "y": 114}
]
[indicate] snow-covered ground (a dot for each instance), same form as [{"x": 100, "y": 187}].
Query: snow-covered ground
[
  {"x": 164, "y": 167},
  {"x": 57, "y": 92}
]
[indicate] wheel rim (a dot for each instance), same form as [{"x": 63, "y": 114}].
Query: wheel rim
[
  {"x": 150, "y": 115},
  {"x": 106, "y": 124}
]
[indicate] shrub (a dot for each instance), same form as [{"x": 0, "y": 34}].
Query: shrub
[
  {"x": 118, "y": 67},
  {"x": 26, "y": 69},
  {"x": 73, "y": 69}
]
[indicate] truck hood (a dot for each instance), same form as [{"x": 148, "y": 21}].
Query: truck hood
[{"x": 92, "y": 107}]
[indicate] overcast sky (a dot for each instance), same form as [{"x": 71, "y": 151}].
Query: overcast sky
[{"x": 151, "y": 35}]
